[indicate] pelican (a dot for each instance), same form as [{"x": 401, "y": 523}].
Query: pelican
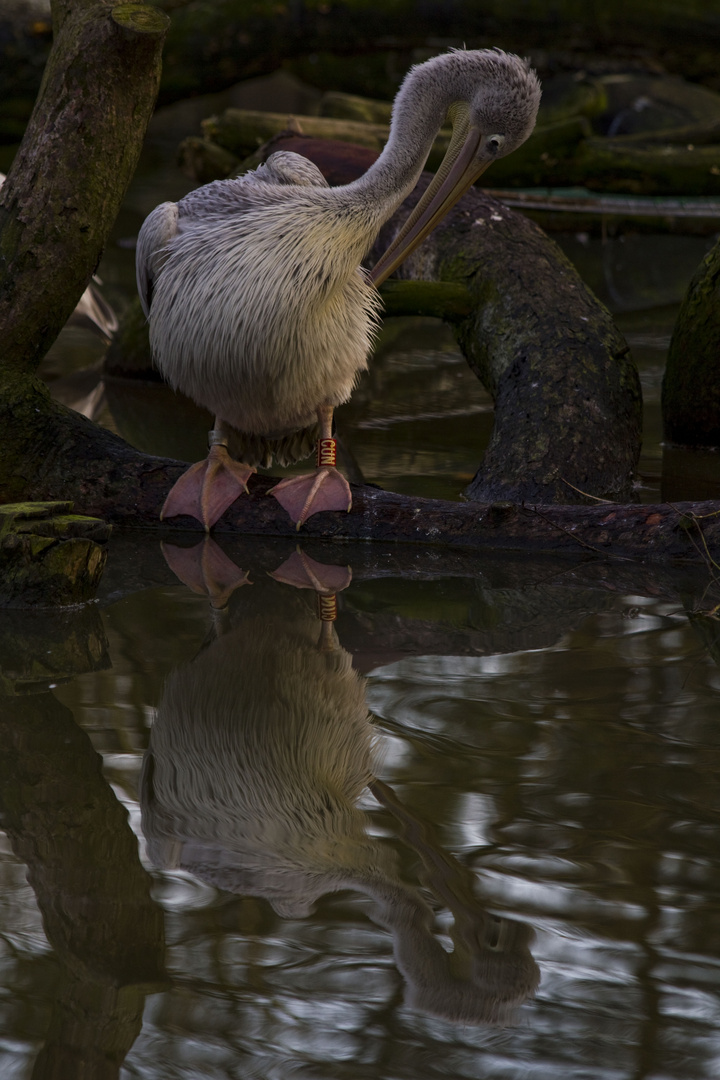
[{"x": 258, "y": 306}]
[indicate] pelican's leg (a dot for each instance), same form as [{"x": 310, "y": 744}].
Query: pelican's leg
[
  {"x": 323, "y": 489},
  {"x": 207, "y": 489}
]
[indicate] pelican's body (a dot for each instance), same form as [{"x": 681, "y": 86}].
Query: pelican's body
[
  {"x": 258, "y": 306},
  {"x": 245, "y": 317}
]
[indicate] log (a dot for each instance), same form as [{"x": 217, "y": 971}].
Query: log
[
  {"x": 566, "y": 390},
  {"x": 236, "y": 133},
  {"x": 111, "y": 480},
  {"x": 49, "y": 557},
  {"x": 650, "y": 169}
]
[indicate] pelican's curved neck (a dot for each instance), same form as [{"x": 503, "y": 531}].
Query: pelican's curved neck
[{"x": 419, "y": 112}]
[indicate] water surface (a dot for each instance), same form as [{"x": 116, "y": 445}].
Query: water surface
[{"x": 467, "y": 829}]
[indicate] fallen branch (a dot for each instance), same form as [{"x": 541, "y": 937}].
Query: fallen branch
[{"x": 106, "y": 478}]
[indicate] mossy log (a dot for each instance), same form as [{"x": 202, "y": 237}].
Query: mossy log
[
  {"x": 567, "y": 98},
  {"x": 691, "y": 384},
  {"x": 235, "y": 134},
  {"x": 566, "y": 390},
  {"x": 648, "y": 168},
  {"x": 49, "y": 557},
  {"x": 676, "y": 161},
  {"x": 58, "y": 453}
]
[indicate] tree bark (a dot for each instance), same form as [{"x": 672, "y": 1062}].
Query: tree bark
[
  {"x": 691, "y": 384},
  {"x": 73, "y": 167}
]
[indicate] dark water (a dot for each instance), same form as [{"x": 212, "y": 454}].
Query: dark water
[{"x": 468, "y": 829}]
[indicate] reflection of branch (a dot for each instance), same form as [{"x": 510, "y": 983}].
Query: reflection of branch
[
  {"x": 65, "y": 823},
  {"x": 577, "y": 539}
]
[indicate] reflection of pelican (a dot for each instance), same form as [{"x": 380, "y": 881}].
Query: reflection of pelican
[
  {"x": 252, "y": 780},
  {"x": 257, "y": 305}
]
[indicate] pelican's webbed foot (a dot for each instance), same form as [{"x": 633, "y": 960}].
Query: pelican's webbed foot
[
  {"x": 208, "y": 488},
  {"x": 312, "y": 493}
]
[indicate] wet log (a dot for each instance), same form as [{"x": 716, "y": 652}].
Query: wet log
[
  {"x": 653, "y": 168},
  {"x": 691, "y": 384}
]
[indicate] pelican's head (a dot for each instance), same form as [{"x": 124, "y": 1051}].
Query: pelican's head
[
  {"x": 492, "y": 100},
  {"x": 501, "y": 112}
]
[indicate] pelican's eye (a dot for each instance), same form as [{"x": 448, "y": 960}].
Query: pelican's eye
[{"x": 495, "y": 143}]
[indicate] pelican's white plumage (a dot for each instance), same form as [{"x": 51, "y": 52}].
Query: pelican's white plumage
[{"x": 258, "y": 306}]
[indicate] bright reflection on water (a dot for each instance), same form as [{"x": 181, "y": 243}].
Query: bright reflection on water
[{"x": 364, "y": 841}]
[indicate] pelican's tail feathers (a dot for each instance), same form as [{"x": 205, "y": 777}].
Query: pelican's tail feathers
[{"x": 262, "y": 451}]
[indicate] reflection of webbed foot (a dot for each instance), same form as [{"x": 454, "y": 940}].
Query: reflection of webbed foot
[
  {"x": 208, "y": 488},
  {"x": 205, "y": 569},
  {"x": 311, "y": 493},
  {"x": 304, "y": 573}
]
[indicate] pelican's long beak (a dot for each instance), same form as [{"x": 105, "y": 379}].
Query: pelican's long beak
[{"x": 452, "y": 180}]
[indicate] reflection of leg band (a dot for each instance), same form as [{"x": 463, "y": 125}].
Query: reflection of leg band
[
  {"x": 326, "y": 452},
  {"x": 327, "y": 607}
]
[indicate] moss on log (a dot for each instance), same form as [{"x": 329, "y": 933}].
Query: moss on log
[
  {"x": 240, "y": 131},
  {"x": 49, "y": 557},
  {"x": 652, "y": 168},
  {"x": 691, "y": 384}
]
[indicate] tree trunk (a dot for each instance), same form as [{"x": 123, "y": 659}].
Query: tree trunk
[
  {"x": 71, "y": 172},
  {"x": 691, "y": 385}
]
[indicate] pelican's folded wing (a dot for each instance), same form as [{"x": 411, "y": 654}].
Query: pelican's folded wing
[{"x": 158, "y": 229}]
